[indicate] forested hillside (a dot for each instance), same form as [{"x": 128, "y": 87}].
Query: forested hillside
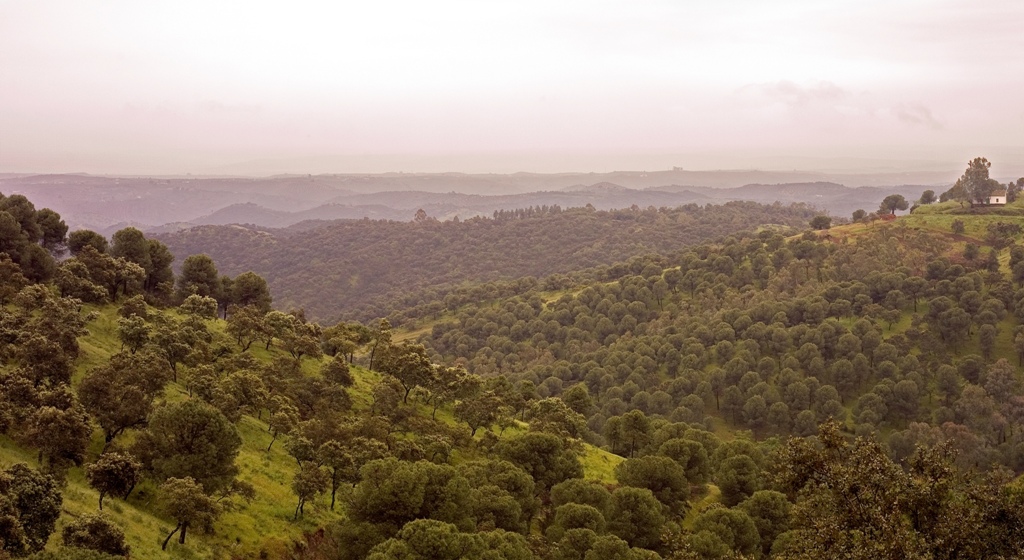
[
  {"x": 905, "y": 328},
  {"x": 850, "y": 392},
  {"x": 363, "y": 269},
  {"x": 141, "y": 416}
]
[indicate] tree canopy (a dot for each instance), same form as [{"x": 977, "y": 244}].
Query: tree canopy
[{"x": 892, "y": 203}]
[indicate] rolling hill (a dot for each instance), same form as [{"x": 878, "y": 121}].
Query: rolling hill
[{"x": 355, "y": 268}]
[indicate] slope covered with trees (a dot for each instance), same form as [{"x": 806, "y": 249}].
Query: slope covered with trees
[
  {"x": 142, "y": 417},
  {"x": 358, "y": 269},
  {"x": 888, "y": 331},
  {"x": 852, "y": 391}
]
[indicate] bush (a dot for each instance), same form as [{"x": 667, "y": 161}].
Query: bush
[{"x": 95, "y": 532}]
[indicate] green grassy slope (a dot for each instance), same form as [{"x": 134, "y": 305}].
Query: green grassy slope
[{"x": 264, "y": 525}]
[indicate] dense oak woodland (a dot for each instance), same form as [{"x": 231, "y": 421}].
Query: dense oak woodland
[
  {"x": 775, "y": 336},
  {"x": 850, "y": 393},
  {"x": 369, "y": 266}
]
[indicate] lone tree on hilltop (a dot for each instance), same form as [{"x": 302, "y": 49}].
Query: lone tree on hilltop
[
  {"x": 892, "y": 203},
  {"x": 928, "y": 197},
  {"x": 977, "y": 182}
]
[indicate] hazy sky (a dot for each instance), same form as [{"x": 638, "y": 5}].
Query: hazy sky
[{"x": 258, "y": 87}]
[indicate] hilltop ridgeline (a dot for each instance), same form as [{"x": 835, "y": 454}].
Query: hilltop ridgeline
[{"x": 361, "y": 269}]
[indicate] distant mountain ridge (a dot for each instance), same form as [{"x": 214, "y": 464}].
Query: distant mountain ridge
[
  {"x": 831, "y": 197},
  {"x": 165, "y": 204},
  {"x": 603, "y": 186}
]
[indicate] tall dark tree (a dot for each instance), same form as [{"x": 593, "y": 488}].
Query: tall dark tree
[
  {"x": 396, "y": 492},
  {"x": 507, "y": 481},
  {"x": 581, "y": 491},
  {"x": 249, "y": 288},
  {"x": 976, "y": 181},
  {"x": 771, "y": 513},
  {"x": 664, "y": 477},
  {"x": 190, "y": 439},
  {"x": 159, "y": 276},
  {"x": 11, "y": 235},
  {"x": 54, "y": 230},
  {"x": 691, "y": 456},
  {"x": 958, "y": 192},
  {"x": 1013, "y": 189},
  {"x": 636, "y": 517},
  {"x": 79, "y": 239},
  {"x": 198, "y": 276},
  {"x": 738, "y": 477},
  {"x": 131, "y": 245},
  {"x": 548, "y": 458},
  {"x": 24, "y": 212}
]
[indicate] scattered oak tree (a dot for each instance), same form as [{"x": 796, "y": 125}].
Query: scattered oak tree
[
  {"x": 114, "y": 473},
  {"x": 185, "y": 501}
]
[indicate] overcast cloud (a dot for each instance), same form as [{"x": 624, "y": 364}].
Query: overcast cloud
[{"x": 265, "y": 87}]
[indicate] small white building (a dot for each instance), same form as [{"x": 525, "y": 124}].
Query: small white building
[{"x": 998, "y": 197}]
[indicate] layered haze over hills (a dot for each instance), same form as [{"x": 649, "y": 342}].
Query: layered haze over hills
[
  {"x": 161, "y": 204},
  {"x": 116, "y": 103}
]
